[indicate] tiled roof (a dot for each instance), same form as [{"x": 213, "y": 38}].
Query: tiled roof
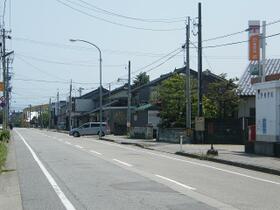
[{"x": 244, "y": 85}]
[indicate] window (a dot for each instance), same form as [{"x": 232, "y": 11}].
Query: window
[
  {"x": 85, "y": 126},
  {"x": 94, "y": 125}
]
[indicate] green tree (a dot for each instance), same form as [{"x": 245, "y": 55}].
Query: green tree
[
  {"x": 45, "y": 119},
  {"x": 221, "y": 99},
  {"x": 141, "y": 79},
  {"x": 172, "y": 100}
]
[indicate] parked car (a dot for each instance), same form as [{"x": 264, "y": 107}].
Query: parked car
[{"x": 90, "y": 128}]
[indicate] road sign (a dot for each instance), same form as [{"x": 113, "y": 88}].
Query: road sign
[
  {"x": 199, "y": 123},
  {"x": 254, "y": 40},
  {"x": 1, "y": 86}
]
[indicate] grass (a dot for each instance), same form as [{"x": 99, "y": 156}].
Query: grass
[{"x": 3, "y": 155}]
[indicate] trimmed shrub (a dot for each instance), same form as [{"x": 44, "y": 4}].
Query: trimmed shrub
[{"x": 4, "y": 135}]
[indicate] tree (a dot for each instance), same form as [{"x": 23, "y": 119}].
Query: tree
[
  {"x": 222, "y": 99},
  {"x": 45, "y": 119},
  {"x": 141, "y": 79},
  {"x": 172, "y": 100}
]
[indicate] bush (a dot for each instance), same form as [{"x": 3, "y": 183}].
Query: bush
[
  {"x": 3, "y": 154},
  {"x": 4, "y": 135}
]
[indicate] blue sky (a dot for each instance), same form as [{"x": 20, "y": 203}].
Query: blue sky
[{"x": 41, "y": 31}]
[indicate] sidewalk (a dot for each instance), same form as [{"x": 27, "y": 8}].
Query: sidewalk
[
  {"x": 228, "y": 154},
  {"x": 10, "y": 197}
]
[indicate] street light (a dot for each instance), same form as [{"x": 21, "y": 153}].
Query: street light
[{"x": 100, "y": 86}]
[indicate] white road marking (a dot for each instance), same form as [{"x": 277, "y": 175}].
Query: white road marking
[
  {"x": 67, "y": 204},
  {"x": 193, "y": 163},
  {"x": 68, "y": 143},
  {"x": 98, "y": 153},
  {"x": 121, "y": 162},
  {"x": 78, "y": 146},
  {"x": 173, "y": 181}
]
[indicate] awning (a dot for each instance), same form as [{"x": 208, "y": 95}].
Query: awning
[{"x": 143, "y": 107}]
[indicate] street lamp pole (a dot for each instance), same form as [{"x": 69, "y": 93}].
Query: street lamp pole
[{"x": 100, "y": 84}]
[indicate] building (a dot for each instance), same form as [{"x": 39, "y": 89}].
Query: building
[{"x": 247, "y": 106}]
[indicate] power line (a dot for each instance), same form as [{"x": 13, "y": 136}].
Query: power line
[
  {"x": 146, "y": 66},
  {"x": 236, "y": 33},
  {"x": 156, "y": 61},
  {"x": 235, "y": 43},
  {"x": 54, "y": 81},
  {"x": 103, "y": 11},
  {"x": 116, "y": 23},
  {"x": 169, "y": 58},
  {"x": 64, "y": 63},
  {"x": 65, "y": 46},
  {"x": 36, "y": 68}
]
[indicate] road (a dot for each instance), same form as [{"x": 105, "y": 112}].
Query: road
[{"x": 57, "y": 171}]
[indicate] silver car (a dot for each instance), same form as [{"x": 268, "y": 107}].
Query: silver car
[{"x": 90, "y": 128}]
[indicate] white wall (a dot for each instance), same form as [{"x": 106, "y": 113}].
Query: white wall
[{"x": 268, "y": 111}]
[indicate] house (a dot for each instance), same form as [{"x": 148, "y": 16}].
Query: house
[
  {"x": 147, "y": 115},
  {"x": 86, "y": 108},
  {"x": 114, "y": 110},
  {"x": 32, "y": 113},
  {"x": 247, "y": 106},
  {"x": 83, "y": 106}
]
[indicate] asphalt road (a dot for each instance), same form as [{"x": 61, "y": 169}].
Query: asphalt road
[{"x": 57, "y": 171}]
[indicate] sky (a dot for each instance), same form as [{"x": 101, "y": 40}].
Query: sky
[{"x": 140, "y": 31}]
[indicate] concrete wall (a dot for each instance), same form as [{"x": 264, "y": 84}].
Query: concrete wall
[
  {"x": 172, "y": 135},
  {"x": 141, "y": 132}
]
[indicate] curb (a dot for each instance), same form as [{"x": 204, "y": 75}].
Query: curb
[
  {"x": 10, "y": 196},
  {"x": 127, "y": 143},
  {"x": 228, "y": 162},
  {"x": 206, "y": 158}
]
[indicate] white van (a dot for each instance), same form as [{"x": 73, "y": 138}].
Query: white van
[{"x": 89, "y": 128}]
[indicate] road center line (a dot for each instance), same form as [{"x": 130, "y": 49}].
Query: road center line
[
  {"x": 175, "y": 182},
  {"x": 121, "y": 162},
  {"x": 67, "y": 204},
  {"x": 98, "y": 153}
]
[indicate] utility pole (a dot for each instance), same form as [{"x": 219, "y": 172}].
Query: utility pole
[
  {"x": 70, "y": 107},
  {"x": 4, "y": 77},
  {"x": 188, "y": 77},
  {"x": 129, "y": 99},
  {"x": 80, "y": 91},
  {"x": 263, "y": 46},
  {"x": 8, "y": 91},
  {"x": 200, "y": 111},
  {"x": 110, "y": 108},
  {"x": 199, "y": 68},
  {"x": 30, "y": 109},
  {"x": 50, "y": 113},
  {"x": 58, "y": 110},
  {"x": 41, "y": 119}
]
